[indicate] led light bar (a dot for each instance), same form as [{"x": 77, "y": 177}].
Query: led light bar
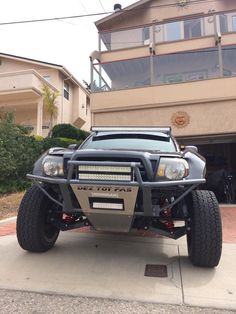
[
  {"x": 97, "y": 205},
  {"x": 92, "y": 168},
  {"x": 98, "y": 176},
  {"x": 126, "y": 129}
]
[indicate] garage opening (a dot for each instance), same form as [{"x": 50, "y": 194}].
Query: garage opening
[{"x": 220, "y": 154}]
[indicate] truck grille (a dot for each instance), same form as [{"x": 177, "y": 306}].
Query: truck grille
[{"x": 105, "y": 173}]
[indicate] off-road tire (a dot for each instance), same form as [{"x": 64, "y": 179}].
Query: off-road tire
[
  {"x": 34, "y": 232},
  {"x": 204, "y": 238}
]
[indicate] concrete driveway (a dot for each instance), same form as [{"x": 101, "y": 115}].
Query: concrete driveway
[{"x": 113, "y": 266}]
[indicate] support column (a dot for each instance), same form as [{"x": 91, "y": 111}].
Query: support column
[{"x": 40, "y": 117}]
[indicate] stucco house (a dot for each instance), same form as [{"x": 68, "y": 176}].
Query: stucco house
[
  {"x": 21, "y": 82},
  {"x": 170, "y": 63}
]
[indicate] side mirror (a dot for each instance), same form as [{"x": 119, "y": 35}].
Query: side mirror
[
  {"x": 192, "y": 148},
  {"x": 73, "y": 146}
]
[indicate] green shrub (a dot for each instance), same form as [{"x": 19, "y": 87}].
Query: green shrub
[
  {"x": 65, "y": 130},
  {"x": 37, "y": 137},
  {"x": 68, "y": 141},
  {"x": 18, "y": 153},
  {"x": 58, "y": 142},
  {"x": 12, "y": 186},
  {"x": 82, "y": 135},
  {"x": 23, "y": 129}
]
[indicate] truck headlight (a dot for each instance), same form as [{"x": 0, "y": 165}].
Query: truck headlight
[
  {"x": 53, "y": 166},
  {"x": 173, "y": 168}
]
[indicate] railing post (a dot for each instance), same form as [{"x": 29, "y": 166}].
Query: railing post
[
  {"x": 40, "y": 117},
  {"x": 91, "y": 74},
  {"x": 218, "y": 44},
  {"x": 152, "y": 52},
  {"x": 99, "y": 42}
]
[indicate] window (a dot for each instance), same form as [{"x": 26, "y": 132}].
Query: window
[
  {"x": 127, "y": 73},
  {"x": 150, "y": 142},
  {"x": 234, "y": 23},
  {"x": 146, "y": 35},
  {"x": 66, "y": 90},
  {"x": 223, "y": 23},
  {"x": 229, "y": 60},
  {"x": 87, "y": 105},
  {"x": 173, "y": 31},
  {"x": 186, "y": 66},
  {"x": 185, "y": 77},
  {"x": 47, "y": 77},
  {"x": 194, "y": 76},
  {"x": 173, "y": 78},
  {"x": 192, "y": 28},
  {"x": 106, "y": 40}
]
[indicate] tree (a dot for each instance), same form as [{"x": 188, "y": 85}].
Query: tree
[{"x": 49, "y": 101}]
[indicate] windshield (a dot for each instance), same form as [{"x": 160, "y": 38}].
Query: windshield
[{"x": 143, "y": 142}]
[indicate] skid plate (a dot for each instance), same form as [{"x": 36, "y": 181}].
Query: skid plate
[{"x": 116, "y": 205}]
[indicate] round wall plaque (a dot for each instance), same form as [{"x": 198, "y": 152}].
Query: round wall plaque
[
  {"x": 180, "y": 119},
  {"x": 182, "y": 3}
]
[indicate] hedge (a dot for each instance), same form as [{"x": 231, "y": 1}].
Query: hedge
[
  {"x": 19, "y": 151},
  {"x": 67, "y": 130},
  {"x": 58, "y": 142}
]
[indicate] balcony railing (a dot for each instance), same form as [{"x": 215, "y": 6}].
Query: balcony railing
[
  {"x": 165, "y": 69},
  {"x": 156, "y": 33}
]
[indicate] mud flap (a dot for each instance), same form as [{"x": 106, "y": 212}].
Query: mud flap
[{"x": 108, "y": 208}]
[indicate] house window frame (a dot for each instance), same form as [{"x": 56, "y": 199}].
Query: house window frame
[
  {"x": 166, "y": 31},
  {"x": 233, "y": 25},
  {"x": 47, "y": 77},
  {"x": 202, "y": 29},
  {"x": 66, "y": 92},
  {"x": 146, "y": 35},
  {"x": 182, "y": 34},
  {"x": 226, "y": 21}
]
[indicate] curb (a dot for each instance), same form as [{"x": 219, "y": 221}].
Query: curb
[{"x": 11, "y": 219}]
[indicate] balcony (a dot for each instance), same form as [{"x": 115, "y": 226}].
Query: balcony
[
  {"x": 20, "y": 92},
  {"x": 21, "y": 85},
  {"x": 196, "y": 65},
  {"x": 173, "y": 31}
]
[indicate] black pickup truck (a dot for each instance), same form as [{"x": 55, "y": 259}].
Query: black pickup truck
[{"x": 122, "y": 178}]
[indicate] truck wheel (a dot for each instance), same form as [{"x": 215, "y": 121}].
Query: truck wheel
[
  {"x": 204, "y": 237},
  {"x": 34, "y": 232}
]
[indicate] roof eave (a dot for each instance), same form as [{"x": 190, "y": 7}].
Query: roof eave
[{"x": 116, "y": 14}]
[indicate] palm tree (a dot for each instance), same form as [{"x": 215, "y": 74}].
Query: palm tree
[{"x": 49, "y": 102}]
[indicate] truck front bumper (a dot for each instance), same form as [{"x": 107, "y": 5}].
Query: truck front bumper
[{"x": 110, "y": 205}]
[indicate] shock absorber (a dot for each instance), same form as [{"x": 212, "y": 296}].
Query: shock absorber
[{"x": 167, "y": 219}]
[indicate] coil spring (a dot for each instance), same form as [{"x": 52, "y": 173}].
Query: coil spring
[{"x": 167, "y": 219}]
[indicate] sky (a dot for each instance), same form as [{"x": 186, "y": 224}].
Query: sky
[{"x": 66, "y": 42}]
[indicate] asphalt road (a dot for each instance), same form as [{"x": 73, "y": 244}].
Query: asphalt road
[{"x": 34, "y": 303}]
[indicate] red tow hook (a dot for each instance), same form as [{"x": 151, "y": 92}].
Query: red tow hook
[{"x": 69, "y": 218}]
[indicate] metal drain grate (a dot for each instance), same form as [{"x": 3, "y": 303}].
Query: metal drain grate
[{"x": 156, "y": 271}]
